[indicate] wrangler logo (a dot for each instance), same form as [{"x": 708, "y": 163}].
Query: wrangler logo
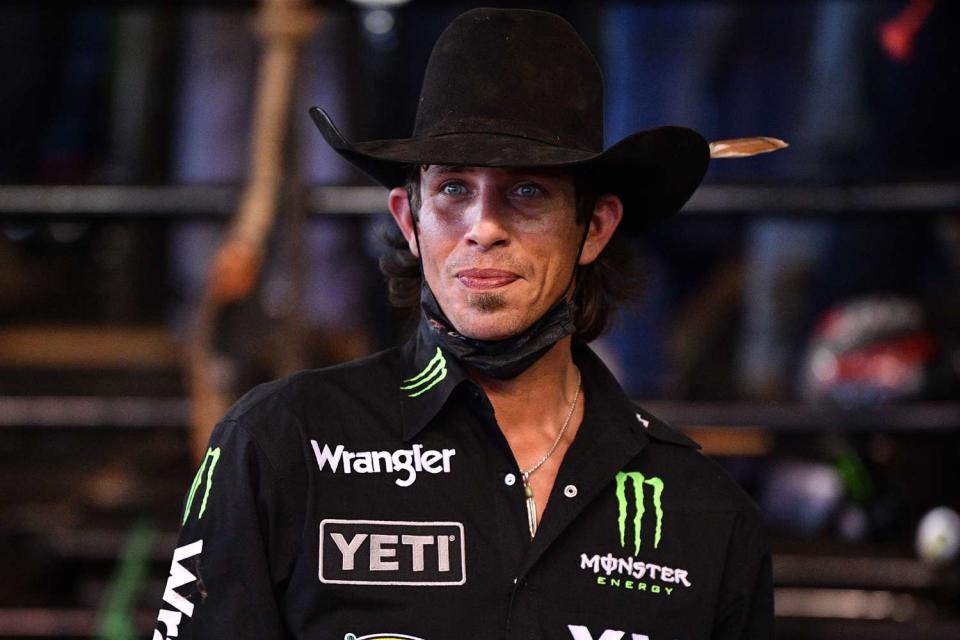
[
  {"x": 381, "y": 552},
  {"x": 407, "y": 463},
  {"x": 638, "y": 481}
]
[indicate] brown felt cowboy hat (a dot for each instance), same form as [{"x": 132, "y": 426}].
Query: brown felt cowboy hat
[{"x": 519, "y": 88}]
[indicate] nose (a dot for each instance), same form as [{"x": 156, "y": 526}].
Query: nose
[{"x": 486, "y": 221}]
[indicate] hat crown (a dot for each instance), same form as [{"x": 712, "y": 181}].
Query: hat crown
[{"x": 515, "y": 72}]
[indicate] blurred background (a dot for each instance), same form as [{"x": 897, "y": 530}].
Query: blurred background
[{"x": 801, "y": 318}]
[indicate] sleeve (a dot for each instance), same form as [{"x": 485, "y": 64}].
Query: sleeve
[
  {"x": 235, "y": 548},
  {"x": 745, "y": 605}
]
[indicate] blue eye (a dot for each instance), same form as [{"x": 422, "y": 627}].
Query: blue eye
[
  {"x": 528, "y": 190},
  {"x": 453, "y": 189}
]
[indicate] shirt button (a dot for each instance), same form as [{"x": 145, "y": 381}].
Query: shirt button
[
  {"x": 509, "y": 479},
  {"x": 570, "y": 491}
]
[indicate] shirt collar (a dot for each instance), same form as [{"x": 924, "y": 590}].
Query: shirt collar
[
  {"x": 611, "y": 407},
  {"x": 428, "y": 376},
  {"x": 611, "y": 412},
  {"x": 660, "y": 430}
]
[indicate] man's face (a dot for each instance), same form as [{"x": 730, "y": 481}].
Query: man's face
[{"x": 497, "y": 245}]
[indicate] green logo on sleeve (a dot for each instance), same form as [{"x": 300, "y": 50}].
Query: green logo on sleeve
[
  {"x": 212, "y": 457},
  {"x": 432, "y": 374},
  {"x": 638, "y": 481}
]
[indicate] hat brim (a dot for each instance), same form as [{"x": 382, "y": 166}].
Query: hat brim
[{"x": 653, "y": 172}]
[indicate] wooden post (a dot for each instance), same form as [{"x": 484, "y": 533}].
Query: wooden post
[{"x": 283, "y": 25}]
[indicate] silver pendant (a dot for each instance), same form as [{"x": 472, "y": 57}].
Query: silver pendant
[{"x": 531, "y": 509}]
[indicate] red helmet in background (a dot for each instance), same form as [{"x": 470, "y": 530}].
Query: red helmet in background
[{"x": 870, "y": 351}]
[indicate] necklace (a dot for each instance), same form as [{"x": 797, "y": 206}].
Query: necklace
[{"x": 527, "y": 490}]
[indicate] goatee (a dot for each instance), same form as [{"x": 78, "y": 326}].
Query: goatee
[{"x": 486, "y": 301}]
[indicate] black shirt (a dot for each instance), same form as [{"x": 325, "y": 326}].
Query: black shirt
[{"x": 379, "y": 499}]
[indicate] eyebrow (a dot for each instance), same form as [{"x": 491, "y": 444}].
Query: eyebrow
[
  {"x": 527, "y": 173},
  {"x": 448, "y": 168}
]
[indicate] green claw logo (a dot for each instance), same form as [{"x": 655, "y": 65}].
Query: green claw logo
[
  {"x": 213, "y": 457},
  {"x": 638, "y": 481},
  {"x": 432, "y": 374}
]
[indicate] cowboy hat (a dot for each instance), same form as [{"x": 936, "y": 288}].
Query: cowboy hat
[{"x": 519, "y": 88}]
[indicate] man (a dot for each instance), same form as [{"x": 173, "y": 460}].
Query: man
[{"x": 489, "y": 479}]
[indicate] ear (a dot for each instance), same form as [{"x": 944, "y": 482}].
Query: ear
[
  {"x": 607, "y": 214},
  {"x": 399, "y": 205}
]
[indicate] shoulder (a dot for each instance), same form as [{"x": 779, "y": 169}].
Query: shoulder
[
  {"x": 362, "y": 377},
  {"x": 705, "y": 483},
  {"x": 276, "y": 415}
]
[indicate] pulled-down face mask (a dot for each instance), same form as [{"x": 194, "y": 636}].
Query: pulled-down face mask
[{"x": 500, "y": 359}]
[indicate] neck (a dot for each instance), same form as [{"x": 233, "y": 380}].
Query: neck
[{"x": 533, "y": 400}]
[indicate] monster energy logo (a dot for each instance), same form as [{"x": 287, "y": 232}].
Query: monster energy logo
[
  {"x": 638, "y": 480},
  {"x": 212, "y": 457},
  {"x": 432, "y": 374}
]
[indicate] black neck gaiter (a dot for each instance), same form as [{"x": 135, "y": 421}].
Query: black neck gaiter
[{"x": 501, "y": 359}]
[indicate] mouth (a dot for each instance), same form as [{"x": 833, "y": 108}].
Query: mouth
[{"x": 485, "y": 279}]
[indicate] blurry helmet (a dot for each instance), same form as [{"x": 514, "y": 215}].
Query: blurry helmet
[{"x": 869, "y": 351}]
